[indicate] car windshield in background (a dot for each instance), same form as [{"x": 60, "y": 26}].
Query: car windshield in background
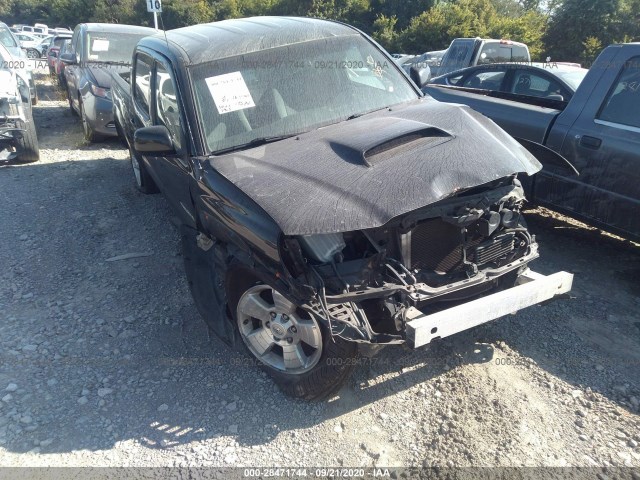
[
  {"x": 500, "y": 53},
  {"x": 7, "y": 38},
  {"x": 111, "y": 47},
  {"x": 59, "y": 41},
  {"x": 293, "y": 89},
  {"x": 573, "y": 78}
]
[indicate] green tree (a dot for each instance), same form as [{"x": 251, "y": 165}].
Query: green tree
[
  {"x": 6, "y": 7},
  {"x": 528, "y": 28},
  {"x": 384, "y": 32},
  {"x": 576, "y": 20},
  {"x": 592, "y": 48},
  {"x": 403, "y": 10}
]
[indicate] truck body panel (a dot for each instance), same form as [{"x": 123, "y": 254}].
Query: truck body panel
[{"x": 598, "y": 132}]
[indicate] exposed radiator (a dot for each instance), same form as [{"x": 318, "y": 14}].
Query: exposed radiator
[{"x": 436, "y": 245}]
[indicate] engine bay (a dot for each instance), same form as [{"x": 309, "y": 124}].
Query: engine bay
[{"x": 455, "y": 249}]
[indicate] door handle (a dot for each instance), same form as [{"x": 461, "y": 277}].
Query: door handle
[{"x": 590, "y": 142}]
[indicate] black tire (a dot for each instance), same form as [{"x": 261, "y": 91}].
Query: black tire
[
  {"x": 26, "y": 142},
  {"x": 121, "y": 135},
  {"x": 34, "y": 99},
  {"x": 33, "y": 53},
  {"x": 143, "y": 181},
  {"x": 52, "y": 72},
  {"x": 73, "y": 110},
  {"x": 89, "y": 133},
  {"x": 326, "y": 377}
]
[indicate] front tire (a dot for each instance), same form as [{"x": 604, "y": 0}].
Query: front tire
[
  {"x": 89, "y": 133},
  {"x": 26, "y": 142},
  {"x": 292, "y": 346},
  {"x": 33, "y": 53}
]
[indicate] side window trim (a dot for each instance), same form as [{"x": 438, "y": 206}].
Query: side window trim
[
  {"x": 166, "y": 66},
  {"x": 148, "y": 60}
]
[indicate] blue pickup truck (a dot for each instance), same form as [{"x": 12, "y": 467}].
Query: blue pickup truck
[{"x": 597, "y": 131}]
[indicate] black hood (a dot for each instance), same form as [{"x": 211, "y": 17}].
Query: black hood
[
  {"x": 102, "y": 73},
  {"x": 363, "y": 172}
]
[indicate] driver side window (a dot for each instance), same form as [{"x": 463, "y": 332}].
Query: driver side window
[
  {"x": 142, "y": 85},
  {"x": 167, "y": 110}
]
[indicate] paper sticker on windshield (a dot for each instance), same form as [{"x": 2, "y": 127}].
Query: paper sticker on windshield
[
  {"x": 230, "y": 92},
  {"x": 99, "y": 45}
]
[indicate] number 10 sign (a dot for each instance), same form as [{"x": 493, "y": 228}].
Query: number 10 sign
[{"x": 154, "y": 5}]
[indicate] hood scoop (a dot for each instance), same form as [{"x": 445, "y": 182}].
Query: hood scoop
[{"x": 379, "y": 139}]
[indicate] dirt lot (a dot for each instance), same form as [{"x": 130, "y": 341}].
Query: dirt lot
[{"x": 106, "y": 362}]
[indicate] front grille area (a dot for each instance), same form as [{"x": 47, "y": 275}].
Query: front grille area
[{"x": 436, "y": 245}]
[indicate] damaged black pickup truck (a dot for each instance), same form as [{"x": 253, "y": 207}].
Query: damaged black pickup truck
[{"x": 325, "y": 201}]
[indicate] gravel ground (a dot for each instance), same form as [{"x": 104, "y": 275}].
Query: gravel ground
[{"x": 106, "y": 362}]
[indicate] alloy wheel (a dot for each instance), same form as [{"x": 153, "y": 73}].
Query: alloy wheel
[{"x": 276, "y": 332}]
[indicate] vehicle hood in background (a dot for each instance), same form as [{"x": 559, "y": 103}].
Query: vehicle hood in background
[
  {"x": 363, "y": 172},
  {"x": 102, "y": 73}
]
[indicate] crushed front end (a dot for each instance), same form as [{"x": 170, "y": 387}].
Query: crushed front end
[
  {"x": 13, "y": 95},
  {"x": 367, "y": 285}
]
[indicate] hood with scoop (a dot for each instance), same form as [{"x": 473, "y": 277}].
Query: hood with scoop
[{"x": 363, "y": 172}]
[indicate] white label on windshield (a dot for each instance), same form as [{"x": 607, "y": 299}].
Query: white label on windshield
[
  {"x": 230, "y": 92},
  {"x": 100, "y": 45}
]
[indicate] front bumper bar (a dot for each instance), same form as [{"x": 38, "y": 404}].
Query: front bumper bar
[{"x": 532, "y": 288}]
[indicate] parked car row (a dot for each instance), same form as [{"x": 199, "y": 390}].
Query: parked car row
[{"x": 38, "y": 29}]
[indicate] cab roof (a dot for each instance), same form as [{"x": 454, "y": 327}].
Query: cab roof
[{"x": 212, "y": 41}]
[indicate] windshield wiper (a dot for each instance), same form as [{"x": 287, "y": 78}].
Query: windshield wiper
[
  {"x": 111, "y": 62},
  {"x": 356, "y": 115},
  {"x": 256, "y": 142}
]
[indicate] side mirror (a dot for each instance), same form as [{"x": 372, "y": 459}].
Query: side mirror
[
  {"x": 557, "y": 97},
  {"x": 68, "y": 58},
  {"x": 420, "y": 75},
  {"x": 154, "y": 141}
]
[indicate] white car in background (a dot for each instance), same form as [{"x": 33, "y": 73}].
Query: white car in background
[
  {"x": 30, "y": 44},
  {"x": 18, "y": 58}
]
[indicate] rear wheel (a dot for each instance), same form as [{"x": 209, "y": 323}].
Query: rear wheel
[
  {"x": 294, "y": 348},
  {"x": 33, "y": 53}
]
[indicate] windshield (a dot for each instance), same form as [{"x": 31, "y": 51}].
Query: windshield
[
  {"x": 7, "y": 38},
  {"x": 112, "y": 46},
  {"x": 58, "y": 41},
  {"x": 573, "y": 78},
  {"x": 293, "y": 89},
  {"x": 494, "y": 52}
]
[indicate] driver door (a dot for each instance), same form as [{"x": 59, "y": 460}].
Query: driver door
[{"x": 173, "y": 172}]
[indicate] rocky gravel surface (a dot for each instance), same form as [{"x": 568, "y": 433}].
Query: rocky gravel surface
[{"x": 104, "y": 360}]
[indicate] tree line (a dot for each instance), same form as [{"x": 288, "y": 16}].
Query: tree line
[{"x": 565, "y": 30}]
